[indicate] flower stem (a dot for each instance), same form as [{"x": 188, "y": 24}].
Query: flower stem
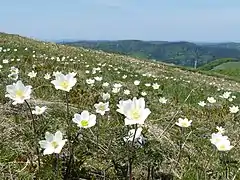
[
  {"x": 70, "y": 149},
  {"x": 35, "y": 132},
  {"x": 56, "y": 166},
  {"x": 130, "y": 160}
]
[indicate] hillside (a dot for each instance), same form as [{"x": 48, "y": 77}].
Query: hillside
[
  {"x": 166, "y": 151},
  {"x": 225, "y": 66},
  {"x": 178, "y": 53}
]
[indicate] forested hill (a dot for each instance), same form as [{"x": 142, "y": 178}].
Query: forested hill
[{"x": 179, "y": 53}]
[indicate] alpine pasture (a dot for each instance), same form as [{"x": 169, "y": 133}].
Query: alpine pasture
[{"x": 74, "y": 113}]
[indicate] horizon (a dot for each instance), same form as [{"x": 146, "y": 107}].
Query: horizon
[{"x": 110, "y": 20}]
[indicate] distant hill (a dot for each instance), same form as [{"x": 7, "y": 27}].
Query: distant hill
[
  {"x": 226, "y": 66},
  {"x": 179, "y": 53}
]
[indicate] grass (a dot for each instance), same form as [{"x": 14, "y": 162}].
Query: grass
[{"x": 157, "y": 158}]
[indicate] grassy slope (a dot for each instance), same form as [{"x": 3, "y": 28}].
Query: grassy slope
[
  {"x": 184, "y": 89},
  {"x": 225, "y": 66}
]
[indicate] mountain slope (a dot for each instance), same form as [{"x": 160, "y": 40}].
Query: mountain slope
[
  {"x": 101, "y": 152},
  {"x": 178, "y": 53}
]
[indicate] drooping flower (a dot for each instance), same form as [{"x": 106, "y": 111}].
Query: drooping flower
[
  {"x": 18, "y": 92},
  {"x": 101, "y": 107},
  {"x": 53, "y": 143},
  {"x": 134, "y": 111},
  {"x": 183, "y": 122},
  {"x": 64, "y": 82},
  {"x": 39, "y": 110},
  {"x": 85, "y": 119}
]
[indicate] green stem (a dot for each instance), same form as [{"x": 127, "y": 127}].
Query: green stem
[
  {"x": 56, "y": 166},
  {"x": 35, "y": 132},
  {"x": 130, "y": 159},
  {"x": 69, "y": 138}
]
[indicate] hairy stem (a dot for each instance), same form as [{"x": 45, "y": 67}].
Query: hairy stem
[{"x": 35, "y": 132}]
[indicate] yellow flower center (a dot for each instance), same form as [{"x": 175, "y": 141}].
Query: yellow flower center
[
  {"x": 19, "y": 94},
  {"x": 102, "y": 107},
  {"x": 84, "y": 123},
  {"x": 64, "y": 84},
  {"x": 54, "y": 144},
  {"x": 222, "y": 147},
  {"x": 135, "y": 114},
  {"x": 184, "y": 124}
]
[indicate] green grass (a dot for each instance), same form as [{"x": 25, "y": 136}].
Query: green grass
[{"x": 183, "y": 89}]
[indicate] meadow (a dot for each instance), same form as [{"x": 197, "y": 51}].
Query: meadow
[{"x": 75, "y": 113}]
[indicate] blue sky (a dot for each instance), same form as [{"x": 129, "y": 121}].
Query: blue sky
[{"x": 173, "y": 20}]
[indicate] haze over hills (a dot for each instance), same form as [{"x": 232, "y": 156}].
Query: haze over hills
[{"x": 181, "y": 53}]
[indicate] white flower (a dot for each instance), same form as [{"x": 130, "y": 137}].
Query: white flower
[
  {"x": 117, "y": 85},
  {"x": 124, "y": 76},
  {"x": 127, "y": 92},
  {"x": 64, "y": 82},
  {"x": 105, "y": 96},
  {"x": 202, "y": 103},
  {"x": 90, "y": 81},
  {"x": 155, "y": 86},
  {"x": 223, "y": 145},
  {"x": 217, "y": 137},
  {"x": 183, "y": 122},
  {"x": 5, "y": 61},
  {"x": 85, "y": 119},
  {"x": 98, "y": 78},
  {"x": 136, "y": 82},
  {"x": 18, "y": 92},
  {"x": 32, "y": 74},
  {"x": 220, "y": 129},
  {"x": 130, "y": 135},
  {"x": 211, "y": 100},
  {"x": 56, "y": 73},
  {"x": 106, "y": 84},
  {"x": 13, "y": 76},
  {"x": 148, "y": 84},
  {"x": 143, "y": 93},
  {"x": 87, "y": 71},
  {"x": 163, "y": 100},
  {"x": 47, "y": 76},
  {"x": 101, "y": 107},
  {"x": 226, "y": 95},
  {"x": 115, "y": 90},
  {"x": 53, "y": 143},
  {"x": 134, "y": 111},
  {"x": 14, "y": 70},
  {"x": 234, "y": 109},
  {"x": 39, "y": 110}
]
